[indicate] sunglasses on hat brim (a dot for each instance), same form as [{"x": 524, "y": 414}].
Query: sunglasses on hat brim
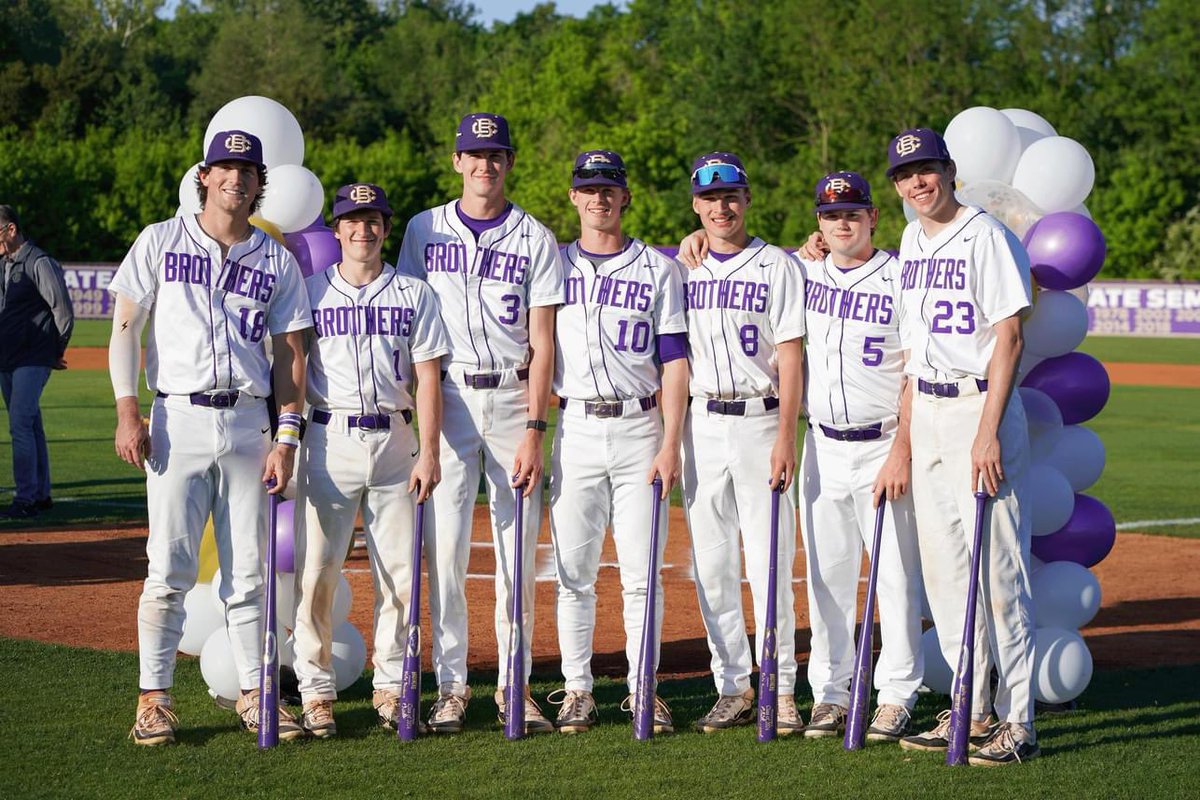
[
  {"x": 848, "y": 195},
  {"x": 586, "y": 173},
  {"x": 711, "y": 173}
]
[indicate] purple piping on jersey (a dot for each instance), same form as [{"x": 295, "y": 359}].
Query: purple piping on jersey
[
  {"x": 212, "y": 333},
  {"x": 486, "y": 341},
  {"x": 841, "y": 350},
  {"x": 925, "y": 296},
  {"x": 711, "y": 341},
  {"x": 670, "y": 347},
  {"x": 600, "y": 326},
  {"x": 478, "y": 226},
  {"x": 371, "y": 350},
  {"x": 362, "y": 408},
  {"x": 466, "y": 295},
  {"x": 225, "y": 311},
  {"x": 728, "y": 355},
  {"x": 587, "y": 338}
]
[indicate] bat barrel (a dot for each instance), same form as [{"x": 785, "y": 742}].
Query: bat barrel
[
  {"x": 268, "y": 676},
  {"x": 643, "y": 711},
  {"x": 514, "y": 716},
  {"x": 407, "y": 725}
]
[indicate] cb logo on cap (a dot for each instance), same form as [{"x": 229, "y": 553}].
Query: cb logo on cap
[
  {"x": 907, "y": 144},
  {"x": 362, "y": 194},
  {"x": 837, "y": 186},
  {"x": 599, "y": 158},
  {"x": 485, "y": 128},
  {"x": 237, "y": 143}
]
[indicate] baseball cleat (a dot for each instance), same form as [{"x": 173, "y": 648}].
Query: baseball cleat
[
  {"x": 387, "y": 707},
  {"x": 828, "y": 719},
  {"x": 662, "y": 713},
  {"x": 535, "y": 721},
  {"x": 576, "y": 710},
  {"x": 449, "y": 712},
  {"x": 890, "y": 723},
  {"x": 247, "y": 710},
  {"x": 729, "y": 711},
  {"x": 787, "y": 716},
  {"x": 938, "y": 738},
  {"x": 1011, "y": 743},
  {"x": 317, "y": 719},
  {"x": 156, "y": 721}
]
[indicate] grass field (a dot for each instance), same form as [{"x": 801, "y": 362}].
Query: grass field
[
  {"x": 64, "y": 714},
  {"x": 1151, "y": 435}
]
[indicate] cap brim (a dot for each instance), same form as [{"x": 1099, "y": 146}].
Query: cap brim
[
  {"x": 577, "y": 183},
  {"x": 717, "y": 186},
  {"x": 843, "y": 207},
  {"x": 899, "y": 164}
]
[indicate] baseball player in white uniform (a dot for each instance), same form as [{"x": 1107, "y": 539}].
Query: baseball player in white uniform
[
  {"x": 212, "y": 289},
  {"x": 376, "y": 335},
  {"x": 965, "y": 281},
  {"x": 621, "y": 338},
  {"x": 745, "y": 313},
  {"x": 855, "y": 447},
  {"x": 498, "y": 278}
]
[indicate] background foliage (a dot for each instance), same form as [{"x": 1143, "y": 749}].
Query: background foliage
[{"x": 106, "y": 103}]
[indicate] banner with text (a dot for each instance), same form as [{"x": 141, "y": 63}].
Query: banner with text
[
  {"x": 88, "y": 286},
  {"x": 1143, "y": 308}
]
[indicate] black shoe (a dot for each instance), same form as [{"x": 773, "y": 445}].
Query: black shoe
[
  {"x": 19, "y": 510},
  {"x": 45, "y": 504}
]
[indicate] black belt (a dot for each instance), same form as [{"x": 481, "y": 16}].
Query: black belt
[
  {"x": 211, "y": 400},
  {"x": 946, "y": 389},
  {"x": 864, "y": 434},
  {"x": 366, "y": 422},
  {"x": 606, "y": 410},
  {"x": 737, "y": 408},
  {"x": 489, "y": 380}
]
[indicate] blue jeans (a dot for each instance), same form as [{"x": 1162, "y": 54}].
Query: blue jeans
[{"x": 31, "y": 462}]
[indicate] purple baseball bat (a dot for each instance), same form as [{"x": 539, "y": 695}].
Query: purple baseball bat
[
  {"x": 768, "y": 667},
  {"x": 961, "y": 695},
  {"x": 268, "y": 674},
  {"x": 860, "y": 686},
  {"x": 643, "y": 710},
  {"x": 514, "y": 693},
  {"x": 407, "y": 726}
]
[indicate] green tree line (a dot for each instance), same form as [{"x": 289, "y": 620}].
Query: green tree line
[{"x": 106, "y": 102}]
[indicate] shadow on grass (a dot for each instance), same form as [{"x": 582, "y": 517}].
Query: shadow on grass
[
  {"x": 74, "y": 563},
  {"x": 1165, "y": 611}
]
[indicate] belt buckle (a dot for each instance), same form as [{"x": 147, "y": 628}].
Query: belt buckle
[
  {"x": 483, "y": 380},
  {"x": 604, "y": 410},
  {"x": 736, "y": 408},
  {"x": 222, "y": 399},
  {"x": 946, "y": 389},
  {"x": 366, "y": 423},
  {"x": 853, "y": 435}
]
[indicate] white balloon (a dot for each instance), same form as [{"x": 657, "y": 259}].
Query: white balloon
[
  {"x": 1082, "y": 209},
  {"x": 217, "y": 667},
  {"x": 349, "y": 655},
  {"x": 1065, "y": 595},
  {"x": 292, "y": 198},
  {"x": 1035, "y": 564},
  {"x": 1055, "y": 173},
  {"x": 1044, "y": 419},
  {"x": 343, "y": 599},
  {"x": 1057, "y": 324},
  {"x": 201, "y": 617},
  {"x": 938, "y": 675},
  {"x": 1003, "y": 202},
  {"x": 984, "y": 144},
  {"x": 1079, "y": 455},
  {"x": 1028, "y": 361},
  {"x": 1062, "y": 665},
  {"x": 1030, "y": 126},
  {"x": 1082, "y": 293},
  {"x": 270, "y": 121},
  {"x": 189, "y": 198},
  {"x": 1050, "y": 497}
]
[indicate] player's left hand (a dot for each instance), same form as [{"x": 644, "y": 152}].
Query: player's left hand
[
  {"x": 426, "y": 475},
  {"x": 280, "y": 465},
  {"x": 665, "y": 466},
  {"x": 986, "y": 463},
  {"x": 783, "y": 463},
  {"x": 527, "y": 467},
  {"x": 892, "y": 480},
  {"x": 814, "y": 249}
]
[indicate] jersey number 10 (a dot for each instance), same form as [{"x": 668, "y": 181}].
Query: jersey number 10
[{"x": 639, "y": 342}]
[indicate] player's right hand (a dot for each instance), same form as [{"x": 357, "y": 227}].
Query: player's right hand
[
  {"x": 892, "y": 480},
  {"x": 665, "y": 466},
  {"x": 693, "y": 249},
  {"x": 132, "y": 440},
  {"x": 814, "y": 249},
  {"x": 426, "y": 474}
]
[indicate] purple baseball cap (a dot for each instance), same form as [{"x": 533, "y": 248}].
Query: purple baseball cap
[
  {"x": 598, "y": 168},
  {"x": 235, "y": 146},
  {"x": 361, "y": 197},
  {"x": 916, "y": 144},
  {"x": 482, "y": 131},
  {"x": 718, "y": 170},
  {"x": 843, "y": 191}
]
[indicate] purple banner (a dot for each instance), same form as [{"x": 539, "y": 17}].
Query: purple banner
[
  {"x": 88, "y": 286},
  {"x": 1143, "y": 308}
]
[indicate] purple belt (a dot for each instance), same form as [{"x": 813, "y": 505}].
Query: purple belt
[
  {"x": 946, "y": 389},
  {"x": 605, "y": 410},
  {"x": 737, "y": 408},
  {"x": 864, "y": 434},
  {"x": 212, "y": 399},
  {"x": 366, "y": 422}
]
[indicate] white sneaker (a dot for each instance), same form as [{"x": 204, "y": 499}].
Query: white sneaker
[
  {"x": 1011, "y": 743},
  {"x": 449, "y": 712},
  {"x": 787, "y": 716},
  {"x": 662, "y": 713},
  {"x": 890, "y": 723},
  {"x": 729, "y": 711},
  {"x": 827, "y": 719},
  {"x": 576, "y": 710},
  {"x": 535, "y": 721}
]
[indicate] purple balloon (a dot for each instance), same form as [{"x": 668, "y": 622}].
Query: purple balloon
[
  {"x": 1076, "y": 382},
  {"x": 1086, "y": 539},
  {"x": 314, "y": 249},
  {"x": 1066, "y": 250},
  {"x": 285, "y": 537}
]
